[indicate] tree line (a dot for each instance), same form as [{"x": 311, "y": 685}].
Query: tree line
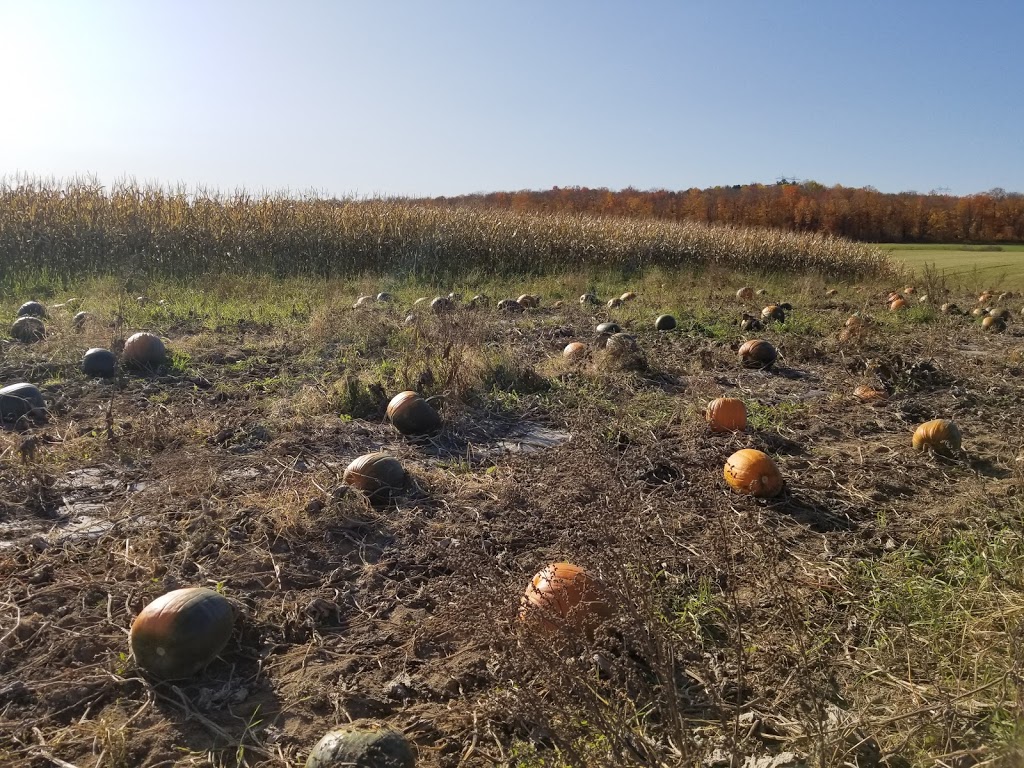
[{"x": 863, "y": 213}]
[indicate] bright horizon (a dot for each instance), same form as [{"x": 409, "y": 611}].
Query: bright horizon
[{"x": 416, "y": 99}]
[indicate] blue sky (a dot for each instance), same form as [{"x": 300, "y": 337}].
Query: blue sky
[{"x": 457, "y": 96}]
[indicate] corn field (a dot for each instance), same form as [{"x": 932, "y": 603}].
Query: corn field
[{"x": 67, "y": 230}]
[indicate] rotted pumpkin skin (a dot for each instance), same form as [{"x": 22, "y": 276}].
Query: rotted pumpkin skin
[
  {"x": 529, "y": 301},
  {"x": 726, "y": 414},
  {"x": 181, "y": 632},
  {"x": 412, "y": 415},
  {"x": 941, "y": 436},
  {"x": 757, "y": 353},
  {"x": 378, "y": 475},
  {"x": 753, "y": 472},
  {"x": 868, "y": 394},
  {"x": 563, "y": 597},
  {"x": 355, "y": 747},
  {"x": 745, "y": 294}
]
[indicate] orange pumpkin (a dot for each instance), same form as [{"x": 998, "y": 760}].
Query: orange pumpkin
[
  {"x": 745, "y": 294},
  {"x": 753, "y": 472},
  {"x": 181, "y": 632},
  {"x": 994, "y": 324},
  {"x": 574, "y": 349},
  {"x": 757, "y": 353},
  {"x": 412, "y": 415},
  {"x": 942, "y": 436},
  {"x": 910, "y": 290},
  {"x": 565, "y": 597},
  {"x": 726, "y": 414},
  {"x": 774, "y": 312},
  {"x": 897, "y": 305}
]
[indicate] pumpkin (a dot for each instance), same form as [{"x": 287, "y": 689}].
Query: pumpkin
[
  {"x": 1002, "y": 314},
  {"x": 897, "y": 305},
  {"x": 924, "y": 298},
  {"x": 509, "y": 305},
  {"x": 181, "y": 632},
  {"x": 949, "y": 309},
  {"x": 384, "y": 297},
  {"x": 441, "y": 304},
  {"x": 412, "y": 415},
  {"x": 941, "y": 436},
  {"x": 378, "y": 475},
  {"x": 19, "y": 400},
  {"x": 892, "y": 297},
  {"x": 994, "y": 324},
  {"x": 79, "y": 320},
  {"x": 726, "y": 414},
  {"x": 622, "y": 345},
  {"x": 909, "y": 290},
  {"x": 32, "y": 309},
  {"x": 745, "y": 294},
  {"x": 529, "y": 301},
  {"x": 28, "y": 329},
  {"x": 854, "y": 320},
  {"x": 750, "y": 323},
  {"x": 753, "y": 472},
  {"x": 363, "y": 301},
  {"x": 985, "y": 297},
  {"x": 1001, "y": 297},
  {"x": 607, "y": 329},
  {"x": 558, "y": 304},
  {"x": 614, "y": 303},
  {"x": 773, "y": 312},
  {"x": 870, "y": 394},
  {"x": 627, "y": 296},
  {"x": 664, "y": 323},
  {"x": 979, "y": 312},
  {"x": 362, "y": 747},
  {"x": 143, "y": 350},
  {"x": 589, "y": 298},
  {"x": 99, "y": 362},
  {"x": 563, "y": 597},
  {"x": 757, "y": 353},
  {"x": 574, "y": 350}
]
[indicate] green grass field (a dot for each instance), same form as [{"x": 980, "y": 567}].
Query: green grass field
[{"x": 973, "y": 267}]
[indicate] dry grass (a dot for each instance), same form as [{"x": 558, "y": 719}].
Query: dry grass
[{"x": 870, "y": 616}]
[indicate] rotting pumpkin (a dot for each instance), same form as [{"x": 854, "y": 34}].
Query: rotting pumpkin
[
  {"x": 757, "y": 353},
  {"x": 411, "y": 414},
  {"x": 753, "y": 472},
  {"x": 363, "y": 747},
  {"x": 181, "y": 632},
  {"x": 378, "y": 475}
]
